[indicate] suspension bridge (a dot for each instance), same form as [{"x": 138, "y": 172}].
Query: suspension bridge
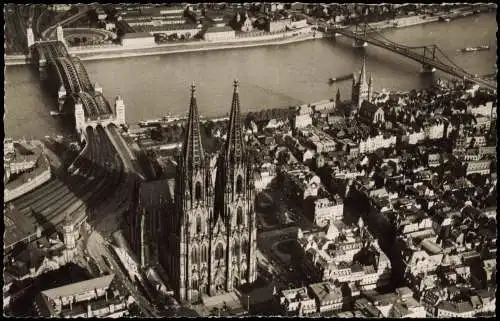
[{"x": 430, "y": 56}]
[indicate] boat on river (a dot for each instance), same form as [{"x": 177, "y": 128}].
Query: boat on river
[{"x": 478, "y": 48}]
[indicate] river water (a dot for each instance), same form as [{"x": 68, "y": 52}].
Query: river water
[{"x": 270, "y": 76}]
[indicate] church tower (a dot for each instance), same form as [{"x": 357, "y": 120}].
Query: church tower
[
  {"x": 360, "y": 88},
  {"x": 234, "y": 216},
  {"x": 370, "y": 88},
  {"x": 188, "y": 229}
]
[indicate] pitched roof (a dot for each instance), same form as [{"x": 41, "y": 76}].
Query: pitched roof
[{"x": 369, "y": 107}]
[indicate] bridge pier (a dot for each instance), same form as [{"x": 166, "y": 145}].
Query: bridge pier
[
  {"x": 359, "y": 43},
  {"x": 42, "y": 69},
  {"x": 426, "y": 69}
]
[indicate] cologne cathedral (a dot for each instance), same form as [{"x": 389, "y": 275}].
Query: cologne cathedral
[{"x": 206, "y": 240}]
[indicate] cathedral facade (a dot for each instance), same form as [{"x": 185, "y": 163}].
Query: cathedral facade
[{"x": 208, "y": 236}]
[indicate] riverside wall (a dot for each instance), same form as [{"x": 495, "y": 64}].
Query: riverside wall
[{"x": 118, "y": 51}]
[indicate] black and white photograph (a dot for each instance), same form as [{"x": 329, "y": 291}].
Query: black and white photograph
[{"x": 250, "y": 159}]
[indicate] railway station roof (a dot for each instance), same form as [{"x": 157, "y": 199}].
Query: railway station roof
[{"x": 17, "y": 227}]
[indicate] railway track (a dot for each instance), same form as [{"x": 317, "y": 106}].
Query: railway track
[{"x": 100, "y": 182}]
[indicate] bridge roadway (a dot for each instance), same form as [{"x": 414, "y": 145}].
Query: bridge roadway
[{"x": 407, "y": 52}]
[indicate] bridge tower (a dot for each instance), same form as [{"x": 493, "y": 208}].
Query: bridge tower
[
  {"x": 61, "y": 97},
  {"x": 429, "y": 54},
  {"x": 119, "y": 111},
  {"x": 359, "y": 37},
  {"x": 79, "y": 116},
  {"x": 60, "y": 34},
  {"x": 30, "y": 39}
]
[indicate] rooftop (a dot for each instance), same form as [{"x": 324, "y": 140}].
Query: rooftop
[
  {"x": 79, "y": 287},
  {"x": 137, "y": 35},
  {"x": 219, "y": 29},
  {"x": 326, "y": 291}
]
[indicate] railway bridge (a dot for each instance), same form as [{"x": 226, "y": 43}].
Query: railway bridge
[
  {"x": 101, "y": 179},
  {"x": 69, "y": 81},
  {"x": 430, "y": 56}
]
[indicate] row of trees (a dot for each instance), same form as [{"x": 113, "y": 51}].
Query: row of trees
[{"x": 268, "y": 114}]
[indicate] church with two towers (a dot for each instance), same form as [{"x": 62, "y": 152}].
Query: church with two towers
[{"x": 206, "y": 233}]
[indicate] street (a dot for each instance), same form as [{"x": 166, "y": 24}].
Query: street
[{"x": 97, "y": 248}]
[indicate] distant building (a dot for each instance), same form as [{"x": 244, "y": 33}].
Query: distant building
[
  {"x": 487, "y": 109},
  {"x": 317, "y": 139},
  {"x": 297, "y": 302},
  {"x": 138, "y": 39},
  {"x": 370, "y": 113},
  {"x": 482, "y": 167},
  {"x": 302, "y": 120},
  {"x": 265, "y": 175},
  {"x": 60, "y": 7},
  {"x": 219, "y": 34},
  {"x": 371, "y": 144},
  {"x": 330, "y": 257},
  {"x": 243, "y": 24},
  {"x": 278, "y": 25},
  {"x": 328, "y": 209},
  {"x": 328, "y": 296},
  {"x": 448, "y": 309}
]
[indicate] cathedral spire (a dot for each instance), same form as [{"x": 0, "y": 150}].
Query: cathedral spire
[
  {"x": 192, "y": 149},
  {"x": 362, "y": 74},
  {"x": 234, "y": 142}
]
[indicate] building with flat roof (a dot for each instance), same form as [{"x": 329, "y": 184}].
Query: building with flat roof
[
  {"x": 219, "y": 33},
  {"x": 138, "y": 39},
  {"x": 90, "y": 298}
]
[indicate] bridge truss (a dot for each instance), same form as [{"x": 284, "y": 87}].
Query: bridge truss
[{"x": 430, "y": 56}]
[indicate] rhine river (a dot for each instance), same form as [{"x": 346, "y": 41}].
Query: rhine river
[{"x": 270, "y": 76}]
